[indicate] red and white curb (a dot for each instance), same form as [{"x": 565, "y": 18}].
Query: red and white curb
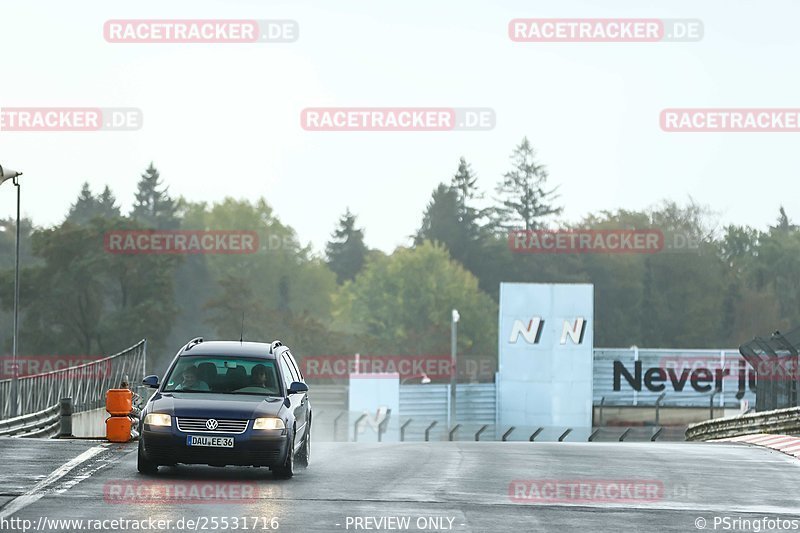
[{"x": 782, "y": 443}]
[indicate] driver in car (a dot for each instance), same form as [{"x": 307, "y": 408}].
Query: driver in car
[
  {"x": 191, "y": 381},
  {"x": 259, "y": 375}
]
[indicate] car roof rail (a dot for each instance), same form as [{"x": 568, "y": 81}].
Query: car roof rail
[
  {"x": 274, "y": 346},
  {"x": 192, "y": 343}
]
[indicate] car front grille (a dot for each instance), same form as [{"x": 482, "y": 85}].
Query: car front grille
[{"x": 198, "y": 425}]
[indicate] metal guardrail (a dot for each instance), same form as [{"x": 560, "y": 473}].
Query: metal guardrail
[
  {"x": 783, "y": 421},
  {"x": 40, "y": 424},
  {"x": 86, "y": 384}
]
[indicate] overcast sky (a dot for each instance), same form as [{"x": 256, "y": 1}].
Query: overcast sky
[{"x": 224, "y": 119}]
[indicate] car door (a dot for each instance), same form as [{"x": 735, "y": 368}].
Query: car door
[
  {"x": 305, "y": 403},
  {"x": 296, "y": 401}
]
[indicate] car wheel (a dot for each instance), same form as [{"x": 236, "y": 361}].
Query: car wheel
[
  {"x": 142, "y": 464},
  {"x": 304, "y": 457},
  {"x": 286, "y": 470}
]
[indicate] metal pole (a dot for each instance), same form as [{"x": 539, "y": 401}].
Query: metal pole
[
  {"x": 453, "y": 369},
  {"x": 15, "y": 370}
]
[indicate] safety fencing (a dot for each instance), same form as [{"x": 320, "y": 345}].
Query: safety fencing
[
  {"x": 386, "y": 426},
  {"x": 86, "y": 384}
]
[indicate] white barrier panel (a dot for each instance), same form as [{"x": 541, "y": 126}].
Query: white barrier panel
[{"x": 545, "y": 351}]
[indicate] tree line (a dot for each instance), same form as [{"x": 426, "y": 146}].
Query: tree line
[{"x": 78, "y": 299}]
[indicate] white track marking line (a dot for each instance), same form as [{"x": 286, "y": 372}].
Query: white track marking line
[{"x": 37, "y": 492}]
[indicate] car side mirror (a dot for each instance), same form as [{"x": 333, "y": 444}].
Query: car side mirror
[
  {"x": 151, "y": 381},
  {"x": 296, "y": 387}
]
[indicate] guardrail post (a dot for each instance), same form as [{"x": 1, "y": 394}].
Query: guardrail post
[
  {"x": 507, "y": 433},
  {"x": 624, "y": 434},
  {"x": 478, "y": 434},
  {"x": 564, "y": 435},
  {"x": 453, "y": 431},
  {"x": 428, "y": 429},
  {"x": 65, "y": 412},
  {"x": 383, "y": 424},
  {"x": 336, "y": 425},
  {"x": 658, "y": 404},
  {"x": 403, "y": 429},
  {"x": 535, "y": 434},
  {"x": 355, "y": 426}
]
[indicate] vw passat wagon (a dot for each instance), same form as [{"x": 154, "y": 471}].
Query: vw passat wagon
[{"x": 228, "y": 403}]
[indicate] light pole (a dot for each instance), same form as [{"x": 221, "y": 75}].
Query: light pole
[
  {"x": 8, "y": 174},
  {"x": 453, "y": 369}
]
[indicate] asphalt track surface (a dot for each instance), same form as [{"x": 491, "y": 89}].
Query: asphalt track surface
[{"x": 467, "y": 486}]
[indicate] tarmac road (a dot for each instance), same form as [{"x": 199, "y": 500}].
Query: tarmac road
[{"x": 435, "y": 486}]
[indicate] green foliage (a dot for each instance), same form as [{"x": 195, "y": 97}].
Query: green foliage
[
  {"x": 346, "y": 252},
  {"x": 404, "y": 301}
]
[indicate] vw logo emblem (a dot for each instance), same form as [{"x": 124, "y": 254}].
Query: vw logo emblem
[{"x": 212, "y": 424}]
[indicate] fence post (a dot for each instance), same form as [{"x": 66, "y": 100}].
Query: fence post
[
  {"x": 658, "y": 404},
  {"x": 507, "y": 433},
  {"x": 602, "y": 401},
  {"x": 594, "y": 434},
  {"x": 383, "y": 424},
  {"x": 355, "y": 426},
  {"x": 656, "y": 434},
  {"x": 428, "y": 429},
  {"x": 478, "y": 434},
  {"x": 564, "y": 435},
  {"x": 336, "y": 426},
  {"x": 452, "y": 431},
  {"x": 535, "y": 434},
  {"x": 403, "y": 429},
  {"x": 65, "y": 412},
  {"x": 624, "y": 434}
]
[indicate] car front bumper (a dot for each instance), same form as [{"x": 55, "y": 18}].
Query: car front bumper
[{"x": 167, "y": 446}]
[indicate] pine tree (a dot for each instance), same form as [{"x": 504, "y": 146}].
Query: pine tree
[
  {"x": 346, "y": 251},
  {"x": 523, "y": 198},
  {"x": 85, "y": 207},
  {"x": 107, "y": 204},
  {"x": 153, "y": 206}
]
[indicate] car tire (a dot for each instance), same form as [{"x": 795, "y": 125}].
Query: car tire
[
  {"x": 143, "y": 465},
  {"x": 304, "y": 456},
  {"x": 286, "y": 470}
]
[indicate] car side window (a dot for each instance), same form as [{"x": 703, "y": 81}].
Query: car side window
[
  {"x": 288, "y": 361},
  {"x": 295, "y": 366},
  {"x": 287, "y": 374}
]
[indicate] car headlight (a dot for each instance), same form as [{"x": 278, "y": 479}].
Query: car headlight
[
  {"x": 158, "y": 419},
  {"x": 268, "y": 423}
]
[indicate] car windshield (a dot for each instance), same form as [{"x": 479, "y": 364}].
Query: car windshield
[{"x": 227, "y": 375}]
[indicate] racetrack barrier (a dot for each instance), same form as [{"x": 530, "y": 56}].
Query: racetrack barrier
[
  {"x": 779, "y": 421},
  {"x": 86, "y": 384}
]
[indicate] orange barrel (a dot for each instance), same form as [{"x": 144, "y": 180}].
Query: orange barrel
[
  {"x": 119, "y": 402},
  {"x": 118, "y": 428}
]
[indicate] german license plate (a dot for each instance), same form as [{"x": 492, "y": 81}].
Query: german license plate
[{"x": 211, "y": 442}]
